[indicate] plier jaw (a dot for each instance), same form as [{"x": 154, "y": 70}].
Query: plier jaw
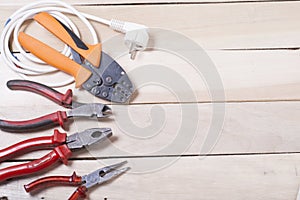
[
  {"x": 85, "y": 182},
  {"x": 97, "y": 110},
  {"x": 88, "y": 137},
  {"x": 57, "y": 118},
  {"x": 61, "y": 144},
  {"x": 109, "y": 81},
  {"x": 104, "y": 174}
]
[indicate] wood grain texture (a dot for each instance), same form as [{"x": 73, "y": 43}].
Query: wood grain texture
[
  {"x": 213, "y": 26},
  {"x": 248, "y": 177},
  {"x": 161, "y": 130},
  {"x": 254, "y": 47},
  {"x": 245, "y": 75}
]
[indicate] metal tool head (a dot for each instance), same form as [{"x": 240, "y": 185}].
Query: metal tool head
[
  {"x": 98, "y": 110},
  {"x": 104, "y": 174},
  {"x": 88, "y": 137},
  {"x": 109, "y": 81}
]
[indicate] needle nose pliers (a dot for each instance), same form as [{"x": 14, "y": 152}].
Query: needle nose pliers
[
  {"x": 62, "y": 145},
  {"x": 60, "y": 117},
  {"x": 84, "y": 182}
]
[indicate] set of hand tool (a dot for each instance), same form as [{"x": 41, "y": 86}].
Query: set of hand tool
[{"x": 93, "y": 70}]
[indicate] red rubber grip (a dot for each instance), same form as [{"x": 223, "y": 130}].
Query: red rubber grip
[
  {"x": 57, "y": 97},
  {"x": 52, "y": 119},
  {"x": 61, "y": 153},
  {"x": 49, "y": 181},
  {"x": 38, "y": 143},
  {"x": 80, "y": 193}
]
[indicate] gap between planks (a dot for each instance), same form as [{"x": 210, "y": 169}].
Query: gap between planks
[
  {"x": 214, "y": 26},
  {"x": 186, "y": 103},
  {"x": 247, "y": 76},
  {"x": 182, "y": 2},
  {"x": 259, "y": 177},
  {"x": 168, "y": 156},
  {"x": 145, "y": 2},
  {"x": 146, "y": 130}
]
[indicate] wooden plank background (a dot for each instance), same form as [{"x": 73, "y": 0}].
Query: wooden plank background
[{"x": 255, "y": 48}]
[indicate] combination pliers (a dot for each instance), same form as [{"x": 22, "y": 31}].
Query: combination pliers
[{"x": 61, "y": 144}]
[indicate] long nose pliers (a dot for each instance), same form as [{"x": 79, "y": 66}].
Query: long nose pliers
[
  {"x": 61, "y": 144},
  {"x": 85, "y": 182},
  {"x": 57, "y": 118}
]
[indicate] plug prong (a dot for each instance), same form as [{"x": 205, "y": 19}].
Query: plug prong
[{"x": 132, "y": 51}]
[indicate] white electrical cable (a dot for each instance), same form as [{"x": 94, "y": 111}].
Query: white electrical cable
[{"x": 56, "y": 9}]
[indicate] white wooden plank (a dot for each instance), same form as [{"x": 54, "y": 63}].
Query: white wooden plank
[
  {"x": 213, "y": 26},
  {"x": 256, "y": 127},
  {"x": 246, "y": 76},
  {"x": 155, "y": 130},
  {"x": 231, "y": 177}
]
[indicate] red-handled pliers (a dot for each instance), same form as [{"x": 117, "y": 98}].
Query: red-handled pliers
[
  {"x": 60, "y": 117},
  {"x": 84, "y": 182},
  {"x": 62, "y": 150}
]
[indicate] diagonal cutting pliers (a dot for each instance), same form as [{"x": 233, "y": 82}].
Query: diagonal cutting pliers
[
  {"x": 57, "y": 118},
  {"x": 85, "y": 182},
  {"x": 61, "y": 144},
  {"x": 107, "y": 80}
]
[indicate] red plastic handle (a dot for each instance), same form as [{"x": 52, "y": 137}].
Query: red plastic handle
[
  {"x": 52, "y": 119},
  {"x": 33, "y": 144},
  {"x": 80, "y": 193},
  {"x": 57, "y": 97},
  {"x": 61, "y": 153},
  {"x": 49, "y": 181}
]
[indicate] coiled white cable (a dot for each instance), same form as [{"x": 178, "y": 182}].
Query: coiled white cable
[{"x": 56, "y": 9}]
